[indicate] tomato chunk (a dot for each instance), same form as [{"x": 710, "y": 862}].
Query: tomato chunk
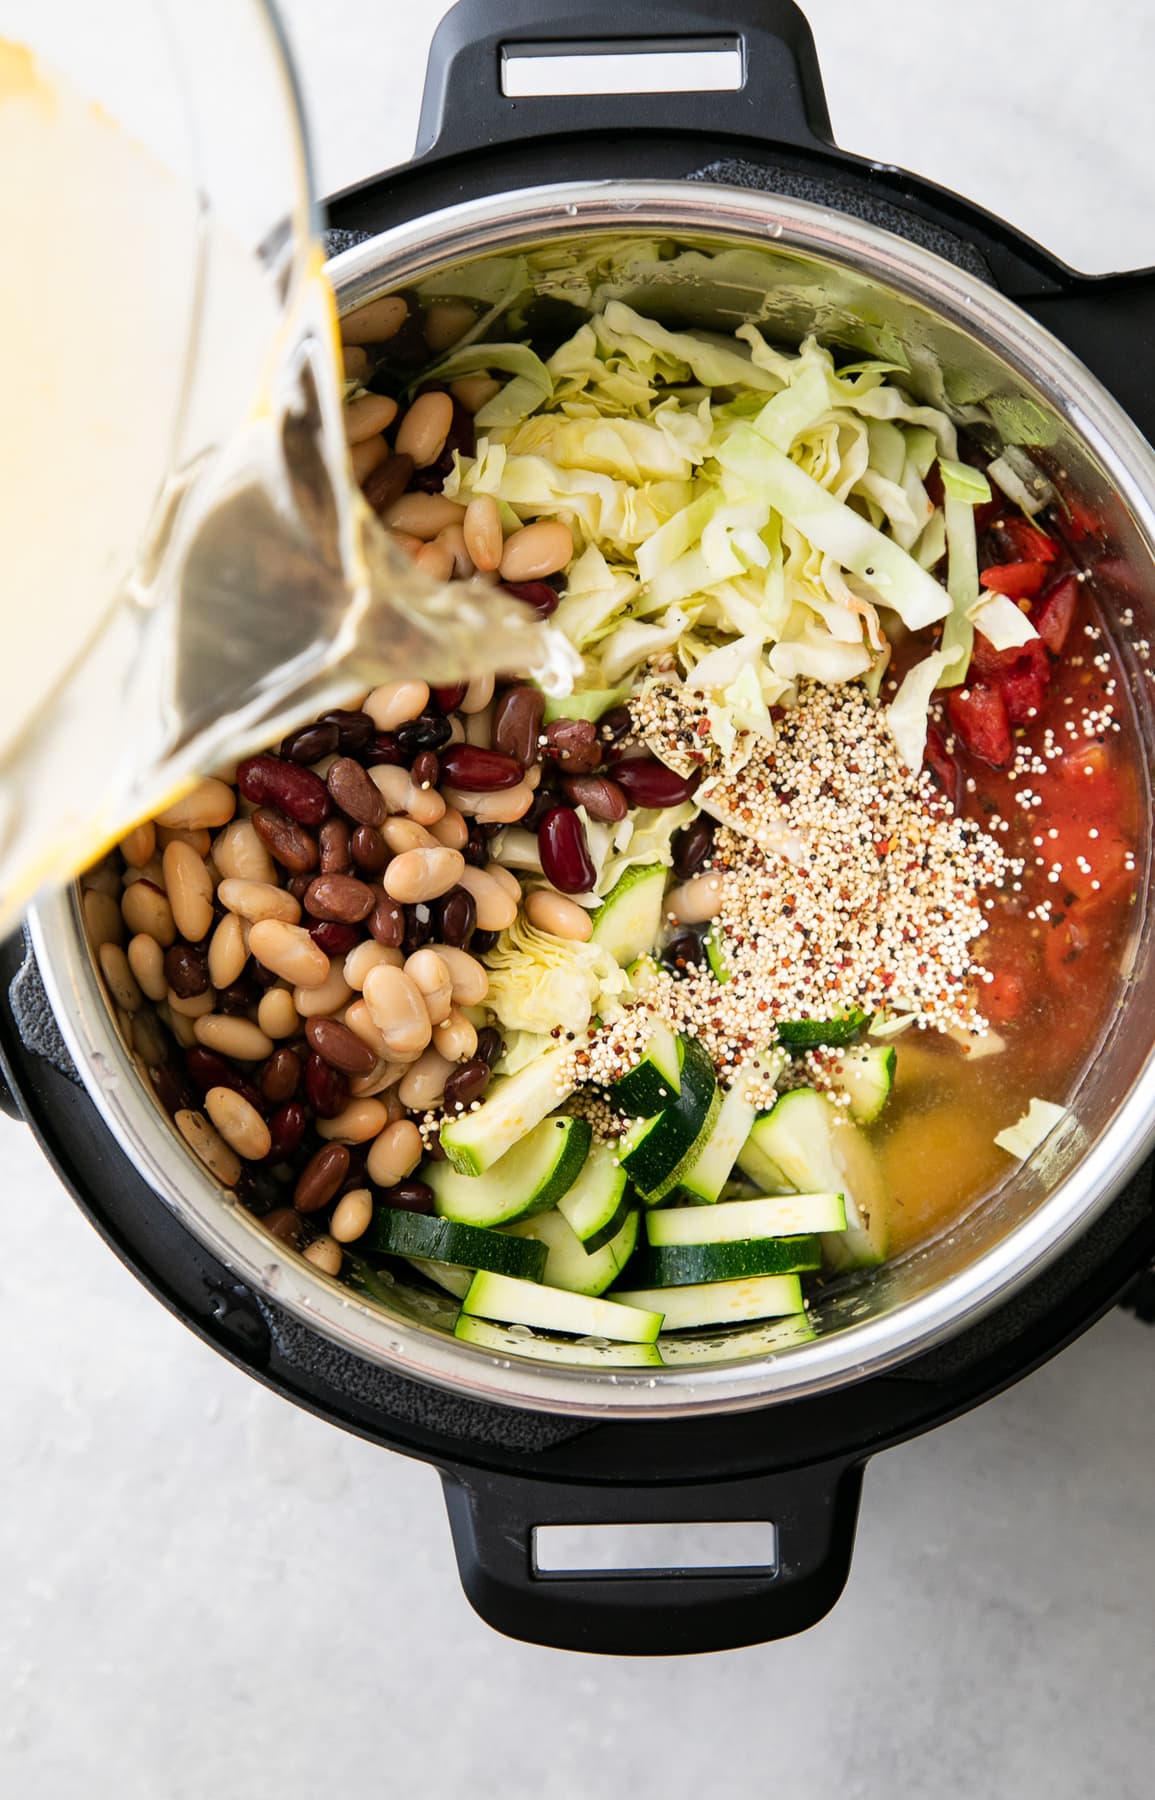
[
  {"x": 1028, "y": 543},
  {"x": 1019, "y": 581},
  {"x": 1002, "y": 999},
  {"x": 1053, "y": 617},
  {"x": 978, "y": 715},
  {"x": 942, "y": 765}
]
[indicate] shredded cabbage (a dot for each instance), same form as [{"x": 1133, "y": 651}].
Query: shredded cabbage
[
  {"x": 1026, "y": 1134},
  {"x": 907, "y": 713},
  {"x": 1001, "y": 622}
]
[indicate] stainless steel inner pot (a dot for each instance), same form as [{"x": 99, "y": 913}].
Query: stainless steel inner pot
[{"x": 802, "y": 268}]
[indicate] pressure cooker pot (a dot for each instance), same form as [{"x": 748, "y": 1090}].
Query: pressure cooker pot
[{"x": 700, "y": 210}]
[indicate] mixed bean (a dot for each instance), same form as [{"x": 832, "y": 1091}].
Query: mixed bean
[{"x": 310, "y": 936}]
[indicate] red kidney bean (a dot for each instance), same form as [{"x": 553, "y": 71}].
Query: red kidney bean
[
  {"x": 285, "y": 785},
  {"x": 538, "y": 594},
  {"x": 683, "y": 951},
  {"x": 649, "y": 783},
  {"x": 369, "y": 850},
  {"x": 208, "y": 1070},
  {"x": 286, "y": 1128},
  {"x": 476, "y": 852},
  {"x": 517, "y": 724},
  {"x": 239, "y": 997},
  {"x": 546, "y": 796},
  {"x": 565, "y": 855},
  {"x": 428, "y": 732},
  {"x": 489, "y": 1045},
  {"x": 320, "y": 1178},
  {"x": 311, "y": 743},
  {"x": 467, "y": 1083},
  {"x": 387, "y": 920},
  {"x": 418, "y": 927},
  {"x": 426, "y": 770},
  {"x": 601, "y": 797},
  {"x": 290, "y": 844},
  {"x": 264, "y": 978},
  {"x": 325, "y": 1087},
  {"x": 615, "y": 724},
  {"x": 284, "y": 1225},
  {"x": 334, "y": 938},
  {"x": 450, "y": 698},
  {"x": 281, "y": 1075},
  {"x": 574, "y": 745},
  {"x": 355, "y": 730},
  {"x": 455, "y": 917},
  {"x": 341, "y": 1048},
  {"x": 174, "y": 1093},
  {"x": 387, "y": 482},
  {"x": 384, "y": 748},
  {"x": 354, "y": 793},
  {"x": 339, "y": 897},
  {"x": 407, "y": 1196},
  {"x": 479, "y": 771},
  {"x": 334, "y": 842},
  {"x": 691, "y": 846},
  {"x": 299, "y": 885},
  {"x": 186, "y": 970}
]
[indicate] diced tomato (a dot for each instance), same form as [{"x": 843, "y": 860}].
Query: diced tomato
[
  {"x": 942, "y": 765},
  {"x": 1028, "y": 543},
  {"x": 978, "y": 714},
  {"x": 1002, "y": 999},
  {"x": 1018, "y": 580},
  {"x": 1066, "y": 938},
  {"x": 1053, "y": 617},
  {"x": 1024, "y": 685},
  {"x": 1093, "y": 869}
]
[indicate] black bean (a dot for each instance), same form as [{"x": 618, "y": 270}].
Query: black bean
[
  {"x": 615, "y": 724},
  {"x": 683, "y": 951},
  {"x": 407, "y": 1196},
  {"x": 476, "y": 852},
  {"x": 418, "y": 927},
  {"x": 186, "y": 969},
  {"x": 467, "y": 1083},
  {"x": 312, "y": 742},
  {"x": 692, "y": 846},
  {"x": 355, "y": 730},
  {"x": 429, "y": 732},
  {"x": 481, "y": 941},
  {"x": 489, "y": 1044},
  {"x": 455, "y": 918}
]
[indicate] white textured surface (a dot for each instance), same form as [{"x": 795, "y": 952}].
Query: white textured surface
[{"x": 206, "y": 1592}]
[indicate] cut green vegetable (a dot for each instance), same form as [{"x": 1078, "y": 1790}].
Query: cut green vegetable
[
  {"x": 527, "y": 1179},
  {"x": 628, "y": 921},
  {"x": 740, "y": 1221},
  {"x": 549, "y": 1309},
  {"x": 513, "y": 1106},
  {"x": 567, "y": 1263},
  {"x": 682, "y": 1265},
  {"x": 505, "y": 1340},
  {"x": 397, "y": 1233},
  {"x": 713, "y": 1302}
]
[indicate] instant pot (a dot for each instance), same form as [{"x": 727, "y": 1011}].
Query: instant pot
[{"x": 703, "y": 208}]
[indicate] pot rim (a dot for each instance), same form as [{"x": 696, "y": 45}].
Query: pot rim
[{"x": 391, "y": 260}]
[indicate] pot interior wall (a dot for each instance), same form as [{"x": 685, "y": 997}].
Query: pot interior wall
[{"x": 717, "y": 281}]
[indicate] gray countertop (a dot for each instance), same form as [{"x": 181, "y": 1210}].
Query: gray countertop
[{"x": 208, "y": 1592}]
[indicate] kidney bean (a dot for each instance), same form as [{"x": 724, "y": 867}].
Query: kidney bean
[
  {"x": 261, "y": 973},
  {"x": 454, "y": 917},
  {"x": 489, "y": 1045},
  {"x": 236, "y": 999},
  {"x": 429, "y": 731},
  {"x": 334, "y": 938},
  {"x": 298, "y": 885},
  {"x": 383, "y": 748},
  {"x": 286, "y": 1129},
  {"x": 692, "y": 846},
  {"x": 325, "y": 1087},
  {"x": 615, "y": 724},
  {"x": 334, "y": 847},
  {"x": 418, "y": 927},
  {"x": 683, "y": 951},
  {"x": 339, "y": 897},
  {"x": 209, "y": 1070},
  {"x": 650, "y": 783},
  {"x": 517, "y": 720},
  {"x": 281, "y": 1075},
  {"x": 476, "y": 851},
  {"x": 186, "y": 970},
  {"x": 284, "y": 1225},
  {"x": 481, "y": 941},
  {"x": 355, "y": 729},
  {"x": 479, "y": 771},
  {"x": 311, "y": 742},
  {"x": 449, "y": 698},
  {"x": 285, "y": 785},
  {"x": 467, "y": 1083},
  {"x": 537, "y": 594},
  {"x": 573, "y": 743},
  {"x": 426, "y": 770},
  {"x": 291, "y": 845},
  {"x": 388, "y": 482},
  {"x": 174, "y": 1093},
  {"x": 387, "y": 920},
  {"x": 565, "y": 855},
  {"x": 601, "y": 797},
  {"x": 339, "y": 1046},
  {"x": 407, "y": 1196},
  {"x": 354, "y": 793},
  {"x": 320, "y": 1178},
  {"x": 368, "y": 850}
]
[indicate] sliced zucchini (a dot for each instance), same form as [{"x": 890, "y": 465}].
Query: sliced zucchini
[
  {"x": 444, "y": 1275},
  {"x": 655, "y": 1080},
  {"x": 682, "y": 1265},
  {"x": 741, "y": 1221},
  {"x": 398, "y": 1233},
  {"x": 656, "y": 1152},
  {"x": 474, "y": 1141},
  {"x": 760, "y": 1168},
  {"x": 808, "y": 1034},
  {"x": 716, "y": 956},
  {"x": 628, "y": 921},
  {"x": 568, "y": 1264},
  {"x": 734, "y": 1346},
  {"x": 711, "y": 1302},
  {"x": 866, "y": 1075},
  {"x": 549, "y": 1309},
  {"x": 527, "y": 1179},
  {"x": 597, "y": 1203},
  {"x": 818, "y": 1151},
  {"x": 711, "y": 1169},
  {"x": 505, "y": 1340}
]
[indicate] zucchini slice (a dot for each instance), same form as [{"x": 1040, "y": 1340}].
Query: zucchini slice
[
  {"x": 866, "y": 1076},
  {"x": 527, "y": 1179},
  {"x": 743, "y": 1221},
  {"x": 655, "y": 1153},
  {"x": 504, "y": 1341},
  {"x": 476, "y": 1140},
  {"x": 808, "y": 1034},
  {"x": 567, "y": 1261},
  {"x": 715, "y": 1302},
  {"x": 398, "y": 1233},
  {"x": 682, "y": 1265},
  {"x": 654, "y": 1081},
  {"x": 596, "y": 1205},
  {"x": 629, "y": 920},
  {"x": 816, "y": 1150},
  {"x": 549, "y": 1309}
]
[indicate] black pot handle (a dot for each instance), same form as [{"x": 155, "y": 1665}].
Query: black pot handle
[
  {"x": 465, "y": 106},
  {"x": 664, "y": 1612}
]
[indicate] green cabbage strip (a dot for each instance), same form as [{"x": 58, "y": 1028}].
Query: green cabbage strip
[
  {"x": 531, "y": 387},
  {"x": 963, "y": 488}
]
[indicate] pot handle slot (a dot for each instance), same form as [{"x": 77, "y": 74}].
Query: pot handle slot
[
  {"x": 504, "y": 71},
  {"x": 654, "y": 1611}
]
